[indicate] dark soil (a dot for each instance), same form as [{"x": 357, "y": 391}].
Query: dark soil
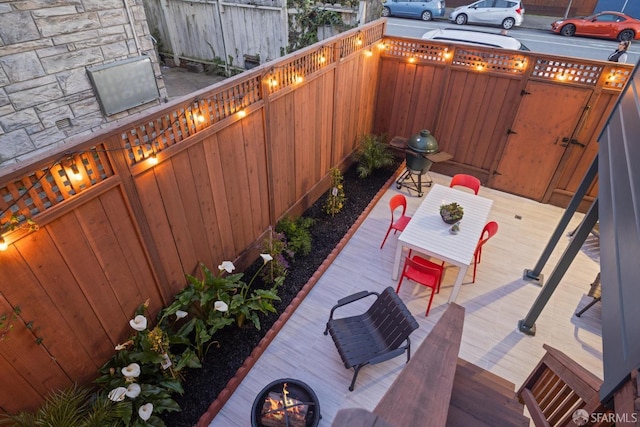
[{"x": 202, "y": 386}]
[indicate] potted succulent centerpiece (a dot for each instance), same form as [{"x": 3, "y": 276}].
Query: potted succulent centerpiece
[{"x": 451, "y": 212}]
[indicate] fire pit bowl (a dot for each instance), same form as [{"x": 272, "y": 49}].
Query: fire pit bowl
[{"x": 286, "y": 402}]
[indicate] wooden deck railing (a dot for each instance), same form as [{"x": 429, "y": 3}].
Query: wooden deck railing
[{"x": 557, "y": 388}]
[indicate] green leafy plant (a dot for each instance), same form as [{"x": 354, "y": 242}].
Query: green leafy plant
[
  {"x": 277, "y": 246},
  {"x": 7, "y": 320},
  {"x": 336, "y": 198},
  {"x": 304, "y": 24},
  {"x": 16, "y": 223},
  {"x": 74, "y": 406},
  {"x": 297, "y": 233},
  {"x": 245, "y": 305},
  {"x": 373, "y": 153},
  {"x": 216, "y": 301},
  {"x": 144, "y": 373},
  {"x": 7, "y": 324}
]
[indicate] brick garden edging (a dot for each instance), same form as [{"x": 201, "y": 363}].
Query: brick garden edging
[{"x": 242, "y": 372}]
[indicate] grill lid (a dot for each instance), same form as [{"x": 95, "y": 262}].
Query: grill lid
[{"x": 423, "y": 142}]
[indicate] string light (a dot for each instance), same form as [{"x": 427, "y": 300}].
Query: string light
[
  {"x": 242, "y": 113},
  {"x": 412, "y": 59},
  {"x": 153, "y": 159},
  {"x": 368, "y": 52},
  {"x": 75, "y": 172},
  {"x": 3, "y": 244},
  {"x": 66, "y": 161},
  {"x": 382, "y": 45}
]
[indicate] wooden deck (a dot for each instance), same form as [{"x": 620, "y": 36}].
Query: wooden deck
[{"x": 493, "y": 306}]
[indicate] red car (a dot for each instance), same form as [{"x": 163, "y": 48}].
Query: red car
[{"x": 610, "y": 25}]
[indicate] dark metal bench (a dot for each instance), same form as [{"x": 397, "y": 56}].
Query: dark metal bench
[{"x": 374, "y": 336}]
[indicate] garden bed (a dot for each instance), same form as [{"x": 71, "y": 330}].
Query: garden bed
[{"x": 220, "y": 372}]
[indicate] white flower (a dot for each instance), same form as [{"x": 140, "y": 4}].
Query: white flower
[
  {"x": 120, "y": 347},
  {"x": 139, "y": 323},
  {"x": 180, "y": 314},
  {"x": 221, "y": 306},
  {"x": 227, "y": 266},
  {"x": 266, "y": 258},
  {"x": 131, "y": 371},
  {"x": 117, "y": 394},
  {"x": 145, "y": 411},
  {"x": 133, "y": 390}
]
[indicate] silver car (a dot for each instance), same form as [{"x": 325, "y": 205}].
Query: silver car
[{"x": 506, "y": 13}]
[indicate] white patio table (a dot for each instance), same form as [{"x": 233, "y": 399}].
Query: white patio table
[{"x": 428, "y": 234}]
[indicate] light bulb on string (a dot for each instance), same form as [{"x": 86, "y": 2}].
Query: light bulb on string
[{"x": 3, "y": 244}]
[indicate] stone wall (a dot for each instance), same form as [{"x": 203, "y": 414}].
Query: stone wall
[{"x": 45, "y": 47}]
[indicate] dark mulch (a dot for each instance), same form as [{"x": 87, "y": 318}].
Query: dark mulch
[{"x": 202, "y": 386}]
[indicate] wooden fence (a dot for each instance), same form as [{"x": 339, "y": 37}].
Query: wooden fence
[
  {"x": 522, "y": 122},
  {"x": 124, "y": 214}
]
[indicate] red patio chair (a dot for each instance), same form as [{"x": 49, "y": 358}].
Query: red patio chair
[
  {"x": 489, "y": 230},
  {"x": 397, "y": 225},
  {"x": 424, "y": 272},
  {"x": 468, "y": 181}
]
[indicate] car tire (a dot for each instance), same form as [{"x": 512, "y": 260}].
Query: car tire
[
  {"x": 626, "y": 35},
  {"x": 386, "y": 12},
  {"x": 508, "y": 23},
  {"x": 568, "y": 30},
  {"x": 461, "y": 19},
  {"x": 426, "y": 16}
]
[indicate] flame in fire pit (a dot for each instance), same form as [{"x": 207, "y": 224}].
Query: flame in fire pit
[{"x": 281, "y": 410}]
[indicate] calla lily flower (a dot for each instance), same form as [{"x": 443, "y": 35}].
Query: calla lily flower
[
  {"x": 227, "y": 266},
  {"x": 117, "y": 394},
  {"x": 180, "y": 314},
  {"x": 139, "y": 323},
  {"x": 145, "y": 411},
  {"x": 131, "y": 371},
  {"x": 266, "y": 258},
  {"x": 133, "y": 390},
  {"x": 220, "y": 306}
]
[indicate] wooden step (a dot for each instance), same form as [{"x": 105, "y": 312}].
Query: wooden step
[
  {"x": 489, "y": 379},
  {"x": 480, "y": 398}
]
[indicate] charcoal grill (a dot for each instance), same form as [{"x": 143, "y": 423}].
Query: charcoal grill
[{"x": 421, "y": 151}]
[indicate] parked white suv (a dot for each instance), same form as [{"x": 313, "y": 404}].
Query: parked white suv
[
  {"x": 506, "y": 13},
  {"x": 474, "y": 38}
]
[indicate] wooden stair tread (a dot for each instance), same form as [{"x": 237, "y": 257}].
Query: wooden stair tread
[
  {"x": 480, "y": 400},
  {"x": 489, "y": 379}
]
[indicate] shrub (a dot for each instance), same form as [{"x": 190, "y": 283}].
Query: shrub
[
  {"x": 74, "y": 406},
  {"x": 276, "y": 245},
  {"x": 144, "y": 373},
  {"x": 373, "y": 153},
  {"x": 297, "y": 234},
  {"x": 336, "y": 198}
]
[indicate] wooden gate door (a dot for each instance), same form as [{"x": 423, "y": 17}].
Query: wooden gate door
[{"x": 544, "y": 126}]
